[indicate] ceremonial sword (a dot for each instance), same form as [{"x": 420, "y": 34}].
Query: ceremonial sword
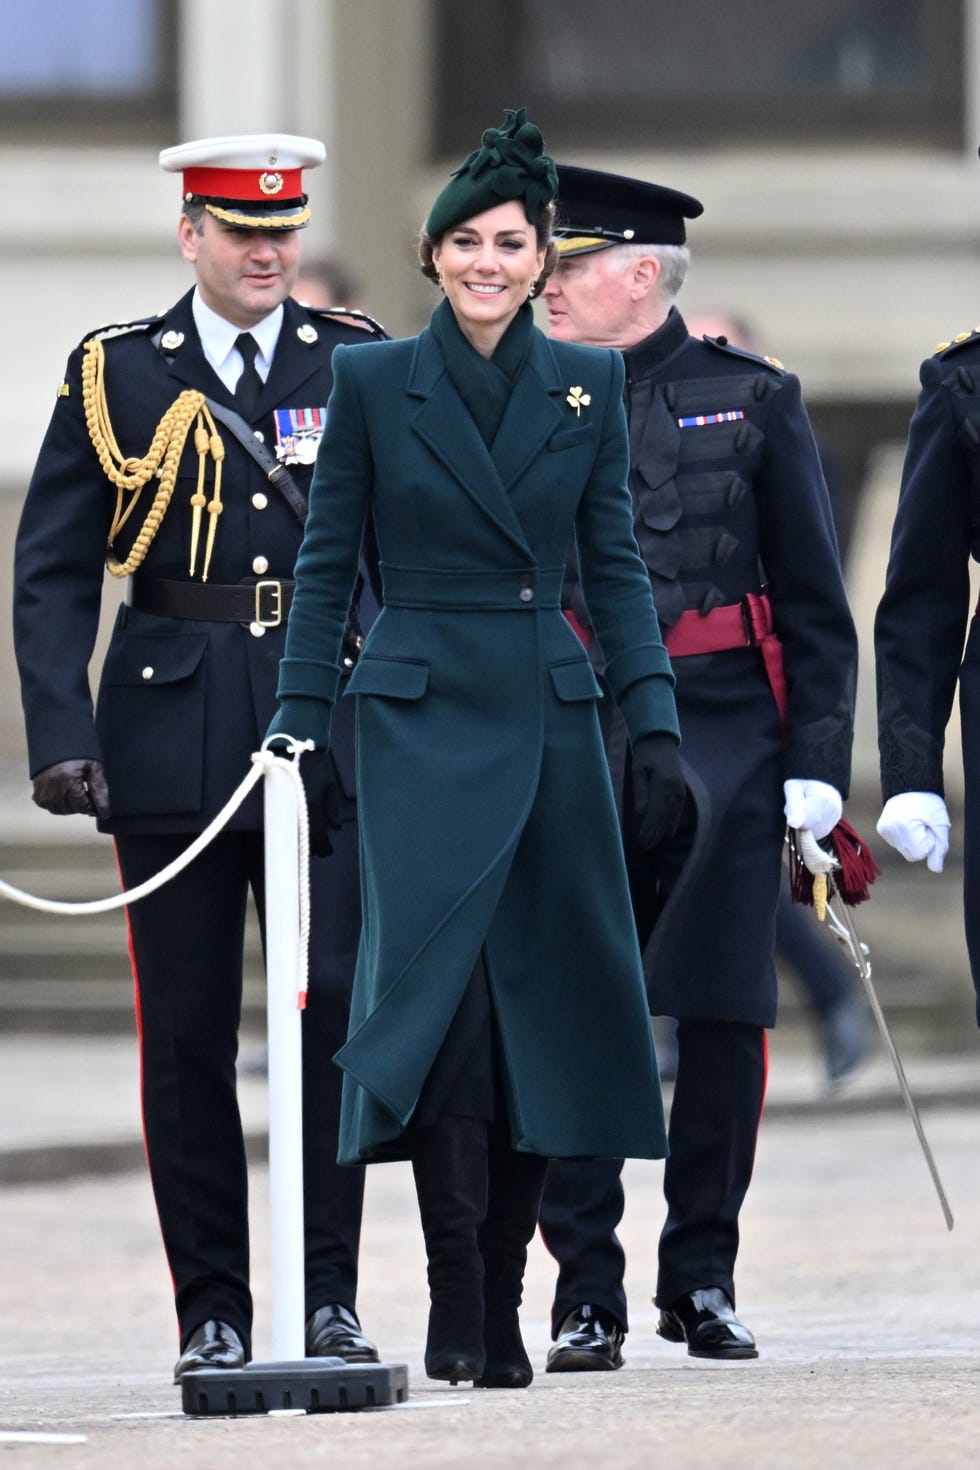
[{"x": 821, "y": 863}]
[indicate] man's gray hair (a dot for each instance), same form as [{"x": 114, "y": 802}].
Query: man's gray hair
[
  {"x": 195, "y": 210},
  {"x": 674, "y": 262}
]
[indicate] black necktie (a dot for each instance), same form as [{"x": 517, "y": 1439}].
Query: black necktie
[{"x": 249, "y": 385}]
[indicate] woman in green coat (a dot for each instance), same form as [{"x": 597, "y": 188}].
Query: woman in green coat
[{"x": 499, "y": 1014}]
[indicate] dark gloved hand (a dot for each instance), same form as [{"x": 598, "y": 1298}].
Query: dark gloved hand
[
  {"x": 73, "y": 787},
  {"x": 658, "y": 788},
  {"x": 319, "y": 777}
]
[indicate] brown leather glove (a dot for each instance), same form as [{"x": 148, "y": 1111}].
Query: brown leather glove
[{"x": 73, "y": 787}]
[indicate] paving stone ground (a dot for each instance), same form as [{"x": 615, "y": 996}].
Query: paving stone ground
[{"x": 866, "y": 1309}]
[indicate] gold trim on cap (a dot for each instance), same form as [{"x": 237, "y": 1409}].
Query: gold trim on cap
[
  {"x": 261, "y": 222},
  {"x": 569, "y": 243}
]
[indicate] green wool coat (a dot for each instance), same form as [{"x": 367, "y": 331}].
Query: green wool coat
[{"x": 485, "y": 806}]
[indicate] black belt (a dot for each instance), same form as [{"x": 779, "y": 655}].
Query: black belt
[{"x": 265, "y": 602}]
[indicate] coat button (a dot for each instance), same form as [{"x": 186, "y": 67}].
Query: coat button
[
  {"x": 148, "y": 672},
  {"x": 256, "y": 630},
  {"x": 526, "y": 594},
  {"x": 259, "y": 500},
  {"x": 260, "y": 564}
]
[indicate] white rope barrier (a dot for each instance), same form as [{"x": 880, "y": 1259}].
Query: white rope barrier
[
  {"x": 287, "y": 912},
  {"x": 263, "y": 760}
]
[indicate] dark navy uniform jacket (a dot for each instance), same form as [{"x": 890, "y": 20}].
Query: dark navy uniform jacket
[
  {"x": 181, "y": 703},
  {"x": 924, "y": 615},
  {"x": 730, "y": 499}
]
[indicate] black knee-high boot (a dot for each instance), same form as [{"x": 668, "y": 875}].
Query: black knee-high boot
[
  {"x": 515, "y": 1184},
  {"x": 449, "y": 1161}
]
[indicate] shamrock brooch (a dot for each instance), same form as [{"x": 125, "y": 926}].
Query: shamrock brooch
[{"x": 578, "y": 400}]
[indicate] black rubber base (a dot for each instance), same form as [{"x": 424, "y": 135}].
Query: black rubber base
[{"x": 315, "y": 1385}]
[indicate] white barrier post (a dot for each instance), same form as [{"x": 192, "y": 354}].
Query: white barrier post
[
  {"x": 292, "y": 1381},
  {"x": 285, "y": 1065}
]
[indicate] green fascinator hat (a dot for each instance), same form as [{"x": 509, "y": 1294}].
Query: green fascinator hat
[{"x": 511, "y": 164}]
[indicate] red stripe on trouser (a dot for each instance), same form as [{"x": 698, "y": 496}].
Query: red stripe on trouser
[
  {"x": 765, "y": 1089},
  {"x": 138, "y": 1011}
]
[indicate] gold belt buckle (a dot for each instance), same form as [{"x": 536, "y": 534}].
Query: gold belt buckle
[{"x": 276, "y": 617}]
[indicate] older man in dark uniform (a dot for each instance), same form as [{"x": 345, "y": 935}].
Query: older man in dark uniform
[
  {"x": 157, "y": 463},
  {"x": 733, "y": 519}
]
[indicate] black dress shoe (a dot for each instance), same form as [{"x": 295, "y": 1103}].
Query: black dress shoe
[
  {"x": 706, "y": 1321},
  {"x": 212, "y": 1345},
  {"x": 333, "y": 1331},
  {"x": 589, "y": 1341}
]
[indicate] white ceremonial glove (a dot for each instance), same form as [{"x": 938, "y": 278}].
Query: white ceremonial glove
[
  {"x": 916, "y": 824},
  {"x": 812, "y": 804}
]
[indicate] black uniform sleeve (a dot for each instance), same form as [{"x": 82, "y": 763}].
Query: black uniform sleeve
[
  {"x": 801, "y": 566},
  {"x": 59, "y": 567},
  {"x": 922, "y": 617}
]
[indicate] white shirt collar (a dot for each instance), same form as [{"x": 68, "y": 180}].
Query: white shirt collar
[{"x": 218, "y": 340}]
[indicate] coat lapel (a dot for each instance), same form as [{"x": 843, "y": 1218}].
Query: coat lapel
[
  {"x": 180, "y": 347},
  {"x": 447, "y": 428},
  {"x": 531, "y": 415},
  {"x": 294, "y": 362}
]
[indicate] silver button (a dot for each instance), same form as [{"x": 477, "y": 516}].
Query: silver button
[
  {"x": 259, "y": 500},
  {"x": 526, "y": 594},
  {"x": 260, "y": 564},
  {"x": 148, "y": 672},
  {"x": 259, "y": 435},
  {"x": 256, "y": 630}
]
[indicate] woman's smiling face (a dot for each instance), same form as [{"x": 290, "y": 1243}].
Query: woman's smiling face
[{"x": 488, "y": 265}]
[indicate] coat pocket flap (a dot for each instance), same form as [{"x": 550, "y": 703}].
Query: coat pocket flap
[
  {"x": 568, "y": 438},
  {"x": 140, "y": 659},
  {"x": 575, "y": 680},
  {"x": 399, "y": 678}
]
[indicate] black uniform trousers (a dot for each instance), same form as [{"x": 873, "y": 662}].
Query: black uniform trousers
[
  {"x": 712, "y": 1131},
  {"x": 186, "y": 944}
]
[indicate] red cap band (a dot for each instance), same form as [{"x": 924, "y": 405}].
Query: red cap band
[{"x": 265, "y": 185}]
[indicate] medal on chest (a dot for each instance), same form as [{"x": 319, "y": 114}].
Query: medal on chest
[{"x": 298, "y": 434}]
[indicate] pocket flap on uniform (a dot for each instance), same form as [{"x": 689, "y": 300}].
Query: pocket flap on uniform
[
  {"x": 399, "y": 678},
  {"x": 575, "y": 680},
  {"x": 141, "y": 659}
]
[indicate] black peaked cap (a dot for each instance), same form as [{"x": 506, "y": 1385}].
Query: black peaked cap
[{"x": 597, "y": 209}]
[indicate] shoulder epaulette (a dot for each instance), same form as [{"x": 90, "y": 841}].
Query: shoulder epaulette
[
  {"x": 350, "y": 316},
  {"x": 120, "y": 329},
  {"x": 956, "y": 342},
  {"x": 723, "y": 345}
]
